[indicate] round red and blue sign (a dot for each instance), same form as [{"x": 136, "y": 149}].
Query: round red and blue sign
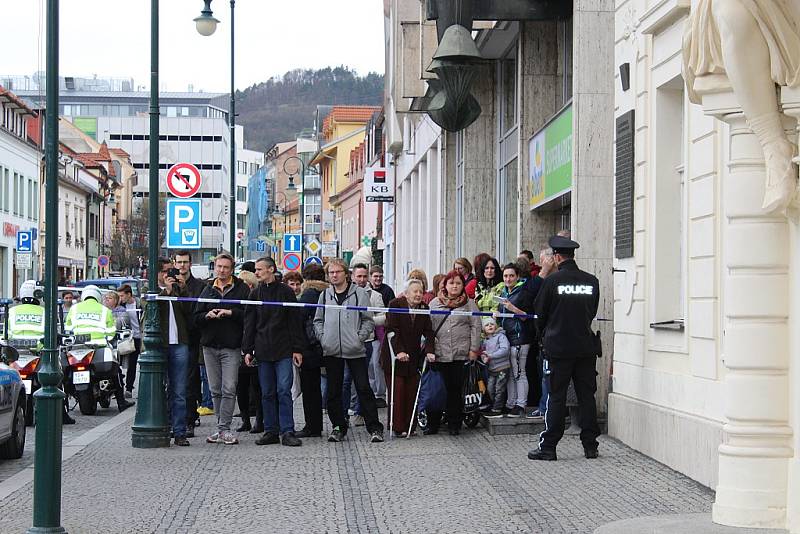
[{"x": 291, "y": 261}]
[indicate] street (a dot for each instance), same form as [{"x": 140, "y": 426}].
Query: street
[{"x": 470, "y": 483}]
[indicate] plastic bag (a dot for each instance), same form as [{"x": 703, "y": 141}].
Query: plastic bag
[
  {"x": 432, "y": 392},
  {"x": 474, "y": 387}
]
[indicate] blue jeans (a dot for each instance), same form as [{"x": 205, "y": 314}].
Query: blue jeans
[
  {"x": 208, "y": 401},
  {"x": 349, "y": 397},
  {"x": 277, "y": 375},
  {"x": 177, "y": 373}
]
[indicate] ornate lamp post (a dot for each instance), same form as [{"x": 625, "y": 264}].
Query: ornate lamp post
[
  {"x": 49, "y": 399},
  {"x": 206, "y": 25},
  {"x": 291, "y": 187},
  {"x": 150, "y": 428}
]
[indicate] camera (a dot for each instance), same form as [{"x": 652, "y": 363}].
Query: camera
[{"x": 173, "y": 273}]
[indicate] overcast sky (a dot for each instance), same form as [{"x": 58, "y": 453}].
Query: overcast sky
[{"x": 112, "y": 38}]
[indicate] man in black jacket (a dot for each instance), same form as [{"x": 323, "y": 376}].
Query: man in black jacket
[
  {"x": 221, "y": 342},
  {"x": 273, "y": 337},
  {"x": 565, "y": 307},
  {"x": 193, "y": 286}
]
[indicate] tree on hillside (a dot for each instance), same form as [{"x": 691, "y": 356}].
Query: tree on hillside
[{"x": 277, "y": 109}]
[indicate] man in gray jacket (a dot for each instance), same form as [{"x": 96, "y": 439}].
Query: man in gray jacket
[{"x": 342, "y": 334}]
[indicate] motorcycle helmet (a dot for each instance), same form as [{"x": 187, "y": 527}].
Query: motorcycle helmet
[
  {"x": 28, "y": 292},
  {"x": 92, "y": 292}
]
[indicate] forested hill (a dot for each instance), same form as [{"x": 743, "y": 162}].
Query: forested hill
[{"x": 278, "y": 109}]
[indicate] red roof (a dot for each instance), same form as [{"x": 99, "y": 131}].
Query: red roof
[
  {"x": 349, "y": 114},
  {"x": 120, "y": 153},
  {"x": 16, "y": 102}
]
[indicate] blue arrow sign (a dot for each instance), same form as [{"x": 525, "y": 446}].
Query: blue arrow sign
[
  {"x": 292, "y": 243},
  {"x": 24, "y": 241},
  {"x": 184, "y": 223}
]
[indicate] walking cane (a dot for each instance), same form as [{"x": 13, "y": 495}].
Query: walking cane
[
  {"x": 389, "y": 337},
  {"x": 416, "y": 400}
]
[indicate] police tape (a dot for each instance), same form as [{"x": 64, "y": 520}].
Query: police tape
[{"x": 372, "y": 309}]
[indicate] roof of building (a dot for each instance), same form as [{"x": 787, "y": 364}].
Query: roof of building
[
  {"x": 120, "y": 153},
  {"x": 14, "y": 101}
]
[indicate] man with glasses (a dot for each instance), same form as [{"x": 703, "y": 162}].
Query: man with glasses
[
  {"x": 342, "y": 334},
  {"x": 183, "y": 262}
]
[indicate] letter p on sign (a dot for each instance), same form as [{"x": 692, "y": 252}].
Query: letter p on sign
[{"x": 184, "y": 223}]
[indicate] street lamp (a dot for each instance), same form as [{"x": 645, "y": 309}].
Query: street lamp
[
  {"x": 49, "y": 399},
  {"x": 291, "y": 187},
  {"x": 150, "y": 429},
  {"x": 206, "y": 25}
]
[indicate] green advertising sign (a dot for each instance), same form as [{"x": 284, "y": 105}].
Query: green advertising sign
[
  {"x": 87, "y": 125},
  {"x": 550, "y": 163}
]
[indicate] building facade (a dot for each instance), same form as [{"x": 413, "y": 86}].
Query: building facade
[
  {"x": 532, "y": 164},
  {"x": 19, "y": 190},
  {"x": 705, "y": 375}
]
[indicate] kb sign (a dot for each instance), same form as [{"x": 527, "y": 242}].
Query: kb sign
[{"x": 378, "y": 185}]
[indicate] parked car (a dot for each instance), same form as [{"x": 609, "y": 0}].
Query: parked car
[
  {"x": 12, "y": 406},
  {"x": 115, "y": 282}
]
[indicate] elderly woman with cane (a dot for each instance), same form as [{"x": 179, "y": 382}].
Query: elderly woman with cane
[{"x": 407, "y": 347}]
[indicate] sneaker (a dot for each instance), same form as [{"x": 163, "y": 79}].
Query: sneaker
[
  {"x": 535, "y": 414},
  {"x": 128, "y": 394},
  {"x": 202, "y": 410},
  {"x": 359, "y": 421},
  {"x": 516, "y": 411},
  {"x": 214, "y": 438},
  {"x": 590, "y": 453},
  {"x": 380, "y": 403},
  {"x": 336, "y": 435},
  {"x": 539, "y": 454},
  {"x": 229, "y": 438},
  {"x": 269, "y": 438},
  {"x": 493, "y": 414},
  {"x": 376, "y": 437},
  {"x": 181, "y": 441},
  {"x": 290, "y": 440}
]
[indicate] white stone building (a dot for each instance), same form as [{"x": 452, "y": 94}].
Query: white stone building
[
  {"x": 705, "y": 374},
  {"x": 19, "y": 189}
]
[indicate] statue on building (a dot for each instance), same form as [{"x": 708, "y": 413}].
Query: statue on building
[{"x": 756, "y": 43}]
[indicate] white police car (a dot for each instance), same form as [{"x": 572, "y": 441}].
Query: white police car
[{"x": 12, "y": 407}]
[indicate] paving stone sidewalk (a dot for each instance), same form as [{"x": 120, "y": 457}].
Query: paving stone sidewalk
[{"x": 470, "y": 483}]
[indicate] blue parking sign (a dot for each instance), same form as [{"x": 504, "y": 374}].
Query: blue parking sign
[
  {"x": 184, "y": 223},
  {"x": 24, "y": 241}
]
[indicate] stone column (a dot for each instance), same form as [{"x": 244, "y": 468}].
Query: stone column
[{"x": 753, "y": 458}]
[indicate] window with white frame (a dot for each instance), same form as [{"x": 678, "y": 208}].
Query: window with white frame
[
  {"x": 312, "y": 206},
  {"x": 669, "y": 226}
]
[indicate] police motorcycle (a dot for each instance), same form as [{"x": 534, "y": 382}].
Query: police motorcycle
[
  {"x": 13, "y": 399},
  {"x": 94, "y": 367}
]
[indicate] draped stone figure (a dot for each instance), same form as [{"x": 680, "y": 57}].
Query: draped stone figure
[{"x": 756, "y": 44}]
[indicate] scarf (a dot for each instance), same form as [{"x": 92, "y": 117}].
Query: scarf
[{"x": 452, "y": 303}]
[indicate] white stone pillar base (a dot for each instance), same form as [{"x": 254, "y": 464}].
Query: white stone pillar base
[{"x": 754, "y": 457}]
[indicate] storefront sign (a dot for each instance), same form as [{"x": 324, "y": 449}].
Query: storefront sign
[
  {"x": 378, "y": 185},
  {"x": 550, "y": 153}
]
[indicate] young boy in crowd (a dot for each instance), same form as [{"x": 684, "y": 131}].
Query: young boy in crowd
[{"x": 495, "y": 353}]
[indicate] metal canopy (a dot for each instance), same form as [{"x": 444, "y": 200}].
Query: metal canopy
[{"x": 502, "y": 9}]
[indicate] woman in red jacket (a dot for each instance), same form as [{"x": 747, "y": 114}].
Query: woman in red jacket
[{"x": 408, "y": 348}]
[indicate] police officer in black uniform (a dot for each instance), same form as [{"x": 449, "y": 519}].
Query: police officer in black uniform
[{"x": 565, "y": 307}]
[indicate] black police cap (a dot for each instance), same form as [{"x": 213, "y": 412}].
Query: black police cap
[{"x": 558, "y": 243}]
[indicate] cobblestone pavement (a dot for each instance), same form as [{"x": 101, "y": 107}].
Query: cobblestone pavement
[
  {"x": 82, "y": 424},
  {"x": 470, "y": 483}
]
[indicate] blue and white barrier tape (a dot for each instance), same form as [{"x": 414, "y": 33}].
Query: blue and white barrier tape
[{"x": 337, "y": 307}]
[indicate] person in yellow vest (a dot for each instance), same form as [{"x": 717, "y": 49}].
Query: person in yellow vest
[
  {"x": 26, "y": 323},
  {"x": 90, "y": 317}
]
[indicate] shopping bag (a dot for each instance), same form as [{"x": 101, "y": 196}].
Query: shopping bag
[
  {"x": 432, "y": 392},
  {"x": 474, "y": 386}
]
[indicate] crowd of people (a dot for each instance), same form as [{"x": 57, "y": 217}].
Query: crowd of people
[{"x": 348, "y": 362}]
